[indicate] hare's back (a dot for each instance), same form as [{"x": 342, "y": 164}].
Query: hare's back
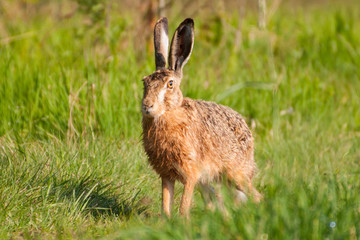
[{"x": 223, "y": 124}]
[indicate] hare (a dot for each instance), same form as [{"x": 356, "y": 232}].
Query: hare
[{"x": 191, "y": 141}]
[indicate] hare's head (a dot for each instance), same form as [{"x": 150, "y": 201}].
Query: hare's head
[{"x": 162, "y": 88}]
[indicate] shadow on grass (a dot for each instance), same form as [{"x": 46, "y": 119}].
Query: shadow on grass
[{"x": 89, "y": 195}]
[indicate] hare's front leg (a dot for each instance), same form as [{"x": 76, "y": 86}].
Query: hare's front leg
[
  {"x": 186, "y": 198},
  {"x": 167, "y": 195}
]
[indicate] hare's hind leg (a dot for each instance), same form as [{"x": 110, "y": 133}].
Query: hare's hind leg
[
  {"x": 240, "y": 193},
  {"x": 243, "y": 184},
  {"x": 167, "y": 195},
  {"x": 210, "y": 194},
  {"x": 256, "y": 195},
  {"x": 240, "y": 196},
  {"x": 252, "y": 190}
]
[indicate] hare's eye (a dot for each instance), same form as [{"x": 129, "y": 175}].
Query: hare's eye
[{"x": 170, "y": 84}]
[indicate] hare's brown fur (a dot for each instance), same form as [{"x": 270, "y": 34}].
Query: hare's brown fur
[{"x": 193, "y": 141}]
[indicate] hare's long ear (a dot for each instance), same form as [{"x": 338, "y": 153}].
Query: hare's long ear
[
  {"x": 181, "y": 45},
  {"x": 161, "y": 43}
]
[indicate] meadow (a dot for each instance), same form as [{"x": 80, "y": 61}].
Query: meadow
[{"x": 72, "y": 165}]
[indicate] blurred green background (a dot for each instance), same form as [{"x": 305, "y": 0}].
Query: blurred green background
[{"x": 72, "y": 163}]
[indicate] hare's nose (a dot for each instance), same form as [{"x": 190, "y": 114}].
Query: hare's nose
[{"x": 147, "y": 108}]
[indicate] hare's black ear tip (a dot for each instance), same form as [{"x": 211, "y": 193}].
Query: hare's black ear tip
[{"x": 189, "y": 21}]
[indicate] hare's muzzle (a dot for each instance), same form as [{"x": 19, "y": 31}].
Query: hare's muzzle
[{"x": 147, "y": 109}]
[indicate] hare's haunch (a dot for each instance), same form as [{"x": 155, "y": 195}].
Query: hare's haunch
[{"x": 192, "y": 141}]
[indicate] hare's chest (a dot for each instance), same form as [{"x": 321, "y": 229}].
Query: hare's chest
[
  {"x": 168, "y": 155},
  {"x": 165, "y": 149},
  {"x": 166, "y": 162}
]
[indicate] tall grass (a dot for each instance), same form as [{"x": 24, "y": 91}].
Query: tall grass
[{"x": 72, "y": 164}]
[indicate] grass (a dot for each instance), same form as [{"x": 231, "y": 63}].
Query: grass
[{"x": 72, "y": 164}]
